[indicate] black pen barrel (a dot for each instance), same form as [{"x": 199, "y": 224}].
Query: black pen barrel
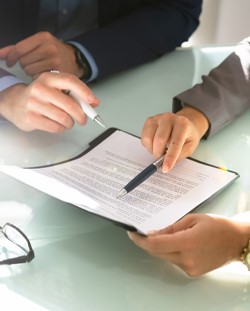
[{"x": 141, "y": 177}]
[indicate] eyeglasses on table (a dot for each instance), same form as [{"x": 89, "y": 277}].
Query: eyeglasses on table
[{"x": 17, "y": 237}]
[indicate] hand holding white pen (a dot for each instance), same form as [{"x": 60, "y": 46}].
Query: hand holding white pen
[
  {"x": 41, "y": 105},
  {"x": 87, "y": 108}
]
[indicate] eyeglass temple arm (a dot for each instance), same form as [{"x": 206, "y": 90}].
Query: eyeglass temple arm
[{"x": 20, "y": 259}]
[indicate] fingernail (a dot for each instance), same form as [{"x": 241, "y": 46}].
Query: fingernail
[
  {"x": 152, "y": 232},
  {"x": 165, "y": 169},
  {"x": 90, "y": 98},
  {"x": 130, "y": 235}
]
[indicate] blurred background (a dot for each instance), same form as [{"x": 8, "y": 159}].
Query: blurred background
[{"x": 223, "y": 22}]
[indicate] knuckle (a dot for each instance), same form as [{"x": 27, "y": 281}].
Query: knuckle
[
  {"x": 145, "y": 141},
  {"x": 190, "y": 266},
  {"x": 27, "y": 122},
  {"x": 183, "y": 121},
  {"x": 36, "y": 87},
  {"x": 69, "y": 78},
  {"x": 51, "y": 49},
  {"x": 43, "y": 76},
  {"x": 57, "y": 128},
  {"x": 167, "y": 116},
  {"x": 174, "y": 144},
  {"x": 63, "y": 117},
  {"x": 29, "y": 108},
  {"x": 71, "y": 105},
  {"x": 65, "y": 120},
  {"x": 45, "y": 35},
  {"x": 19, "y": 48},
  {"x": 160, "y": 140},
  {"x": 149, "y": 120}
]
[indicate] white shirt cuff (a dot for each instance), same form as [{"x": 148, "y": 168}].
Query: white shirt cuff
[{"x": 8, "y": 81}]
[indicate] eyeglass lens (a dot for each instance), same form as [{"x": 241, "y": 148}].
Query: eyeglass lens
[{"x": 16, "y": 237}]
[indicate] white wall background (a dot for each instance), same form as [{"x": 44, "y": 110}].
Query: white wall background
[{"x": 223, "y": 22}]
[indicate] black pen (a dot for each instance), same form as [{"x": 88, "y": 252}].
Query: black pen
[{"x": 141, "y": 177}]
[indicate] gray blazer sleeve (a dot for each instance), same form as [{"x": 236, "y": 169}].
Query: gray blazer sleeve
[{"x": 224, "y": 93}]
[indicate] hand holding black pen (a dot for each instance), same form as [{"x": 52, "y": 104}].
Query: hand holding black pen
[{"x": 141, "y": 177}]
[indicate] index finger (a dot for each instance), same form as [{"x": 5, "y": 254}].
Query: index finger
[
  {"x": 4, "y": 52},
  {"x": 156, "y": 132},
  {"x": 162, "y": 243},
  {"x": 64, "y": 81},
  {"x": 23, "y": 47},
  {"x": 176, "y": 143}
]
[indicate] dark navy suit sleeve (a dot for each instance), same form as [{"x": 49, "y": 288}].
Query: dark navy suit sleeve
[
  {"x": 142, "y": 34},
  {"x": 18, "y": 19}
]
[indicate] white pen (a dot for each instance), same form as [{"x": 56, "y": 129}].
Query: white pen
[{"x": 87, "y": 108}]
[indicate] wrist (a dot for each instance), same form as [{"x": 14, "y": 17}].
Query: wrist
[
  {"x": 8, "y": 96},
  {"x": 84, "y": 69},
  {"x": 198, "y": 119},
  {"x": 242, "y": 237},
  {"x": 244, "y": 255}
]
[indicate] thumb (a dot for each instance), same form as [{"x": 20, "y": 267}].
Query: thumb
[{"x": 184, "y": 223}]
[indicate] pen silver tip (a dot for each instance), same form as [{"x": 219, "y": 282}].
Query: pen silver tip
[
  {"x": 121, "y": 193},
  {"x": 99, "y": 121}
]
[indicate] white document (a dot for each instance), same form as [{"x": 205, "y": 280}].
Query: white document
[{"x": 93, "y": 180}]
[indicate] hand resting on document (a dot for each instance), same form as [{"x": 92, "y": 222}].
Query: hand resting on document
[
  {"x": 197, "y": 243},
  {"x": 181, "y": 132}
]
